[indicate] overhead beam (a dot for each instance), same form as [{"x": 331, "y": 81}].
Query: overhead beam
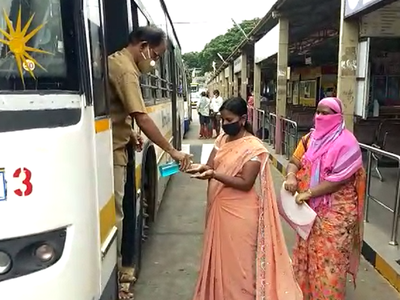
[
  {"x": 309, "y": 7},
  {"x": 304, "y": 46}
]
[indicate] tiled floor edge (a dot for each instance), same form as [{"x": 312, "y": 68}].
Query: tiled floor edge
[{"x": 367, "y": 251}]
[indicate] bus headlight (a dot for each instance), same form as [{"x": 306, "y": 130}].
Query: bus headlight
[
  {"x": 25, "y": 255},
  {"x": 5, "y": 263},
  {"x": 45, "y": 252}
]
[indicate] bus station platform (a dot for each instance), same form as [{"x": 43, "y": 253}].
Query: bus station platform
[{"x": 172, "y": 254}]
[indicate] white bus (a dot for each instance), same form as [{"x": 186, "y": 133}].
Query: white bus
[{"x": 57, "y": 215}]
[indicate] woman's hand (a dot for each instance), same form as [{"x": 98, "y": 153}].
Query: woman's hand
[
  {"x": 291, "y": 183},
  {"x": 302, "y": 197},
  {"x": 205, "y": 175},
  {"x": 196, "y": 168}
]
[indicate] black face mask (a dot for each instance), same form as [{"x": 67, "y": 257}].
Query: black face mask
[{"x": 232, "y": 129}]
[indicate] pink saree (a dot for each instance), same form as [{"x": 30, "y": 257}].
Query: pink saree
[{"x": 244, "y": 254}]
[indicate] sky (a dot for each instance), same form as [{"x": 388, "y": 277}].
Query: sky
[{"x": 210, "y": 18}]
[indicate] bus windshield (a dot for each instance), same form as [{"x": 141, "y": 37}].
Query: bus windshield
[
  {"x": 194, "y": 88},
  {"x": 33, "y": 52}
]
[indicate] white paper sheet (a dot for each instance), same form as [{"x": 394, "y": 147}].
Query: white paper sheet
[{"x": 300, "y": 217}]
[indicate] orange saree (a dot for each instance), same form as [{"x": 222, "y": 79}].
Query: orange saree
[
  {"x": 244, "y": 253},
  {"x": 333, "y": 249}
]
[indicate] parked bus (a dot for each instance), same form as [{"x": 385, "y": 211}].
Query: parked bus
[{"x": 57, "y": 211}]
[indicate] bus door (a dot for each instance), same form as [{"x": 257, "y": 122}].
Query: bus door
[
  {"x": 103, "y": 146},
  {"x": 173, "y": 94}
]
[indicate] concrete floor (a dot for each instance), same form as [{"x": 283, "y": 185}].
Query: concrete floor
[{"x": 172, "y": 253}]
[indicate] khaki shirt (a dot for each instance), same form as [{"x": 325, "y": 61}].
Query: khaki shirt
[{"x": 125, "y": 99}]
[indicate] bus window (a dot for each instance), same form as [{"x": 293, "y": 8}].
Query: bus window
[
  {"x": 153, "y": 84},
  {"x": 166, "y": 76},
  {"x": 194, "y": 87},
  {"x": 48, "y": 60},
  {"x": 145, "y": 80},
  {"x": 97, "y": 61},
  {"x": 163, "y": 77},
  {"x": 158, "y": 73},
  {"x": 142, "y": 20}
]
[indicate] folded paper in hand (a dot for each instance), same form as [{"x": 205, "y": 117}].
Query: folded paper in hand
[{"x": 300, "y": 217}]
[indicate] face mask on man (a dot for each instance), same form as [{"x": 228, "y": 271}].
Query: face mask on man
[{"x": 147, "y": 64}]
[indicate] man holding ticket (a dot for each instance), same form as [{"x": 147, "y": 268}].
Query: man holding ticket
[{"x": 326, "y": 171}]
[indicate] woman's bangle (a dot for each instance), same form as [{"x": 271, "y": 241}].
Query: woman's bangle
[
  {"x": 290, "y": 173},
  {"x": 310, "y": 192}
]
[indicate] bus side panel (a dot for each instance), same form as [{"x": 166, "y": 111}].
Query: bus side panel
[
  {"x": 181, "y": 117},
  {"x": 162, "y": 117},
  {"x": 60, "y": 162},
  {"x": 105, "y": 194}
]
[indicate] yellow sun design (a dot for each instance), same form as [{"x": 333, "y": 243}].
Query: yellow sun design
[{"x": 17, "y": 40}]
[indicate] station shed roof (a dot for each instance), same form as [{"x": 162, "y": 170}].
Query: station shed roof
[{"x": 310, "y": 25}]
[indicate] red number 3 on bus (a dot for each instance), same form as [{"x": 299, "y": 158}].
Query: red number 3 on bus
[{"x": 24, "y": 175}]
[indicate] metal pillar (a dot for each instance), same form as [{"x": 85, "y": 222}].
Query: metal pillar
[
  {"x": 230, "y": 81},
  {"x": 244, "y": 76},
  {"x": 257, "y": 85},
  {"x": 236, "y": 85},
  {"x": 282, "y": 65}
]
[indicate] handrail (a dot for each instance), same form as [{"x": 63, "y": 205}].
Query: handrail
[
  {"x": 395, "y": 224},
  {"x": 257, "y": 117},
  {"x": 260, "y": 122},
  {"x": 290, "y": 136},
  {"x": 272, "y": 129}
]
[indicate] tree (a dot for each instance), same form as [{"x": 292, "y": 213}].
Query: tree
[
  {"x": 222, "y": 44},
  {"x": 192, "y": 60}
]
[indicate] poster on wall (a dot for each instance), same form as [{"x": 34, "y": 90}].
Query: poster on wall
[
  {"x": 289, "y": 90},
  {"x": 308, "y": 92},
  {"x": 296, "y": 93}
]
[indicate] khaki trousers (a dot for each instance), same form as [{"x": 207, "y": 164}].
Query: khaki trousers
[{"x": 119, "y": 190}]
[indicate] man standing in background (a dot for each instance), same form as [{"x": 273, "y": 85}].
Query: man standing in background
[{"x": 215, "y": 105}]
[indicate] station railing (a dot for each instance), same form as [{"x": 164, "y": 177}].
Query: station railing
[
  {"x": 290, "y": 136},
  {"x": 257, "y": 118},
  {"x": 264, "y": 126},
  {"x": 371, "y": 151},
  {"x": 259, "y": 123},
  {"x": 251, "y": 116},
  {"x": 271, "y": 117}
]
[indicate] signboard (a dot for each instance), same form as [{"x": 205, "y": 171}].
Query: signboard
[
  {"x": 237, "y": 65},
  {"x": 267, "y": 46},
  {"x": 355, "y": 6},
  {"x": 362, "y": 87},
  {"x": 227, "y": 72},
  {"x": 384, "y": 22}
]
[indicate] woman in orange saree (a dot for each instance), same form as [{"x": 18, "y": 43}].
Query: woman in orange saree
[
  {"x": 326, "y": 170},
  {"x": 244, "y": 252}
]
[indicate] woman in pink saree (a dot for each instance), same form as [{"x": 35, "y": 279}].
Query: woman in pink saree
[{"x": 244, "y": 252}]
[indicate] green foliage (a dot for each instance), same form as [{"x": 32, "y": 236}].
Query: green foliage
[
  {"x": 192, "y": 60},
  {"x": 222, "y": 44}
]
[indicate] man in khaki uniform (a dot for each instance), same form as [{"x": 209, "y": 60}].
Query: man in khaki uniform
[{"x": 145, "y": 46}]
